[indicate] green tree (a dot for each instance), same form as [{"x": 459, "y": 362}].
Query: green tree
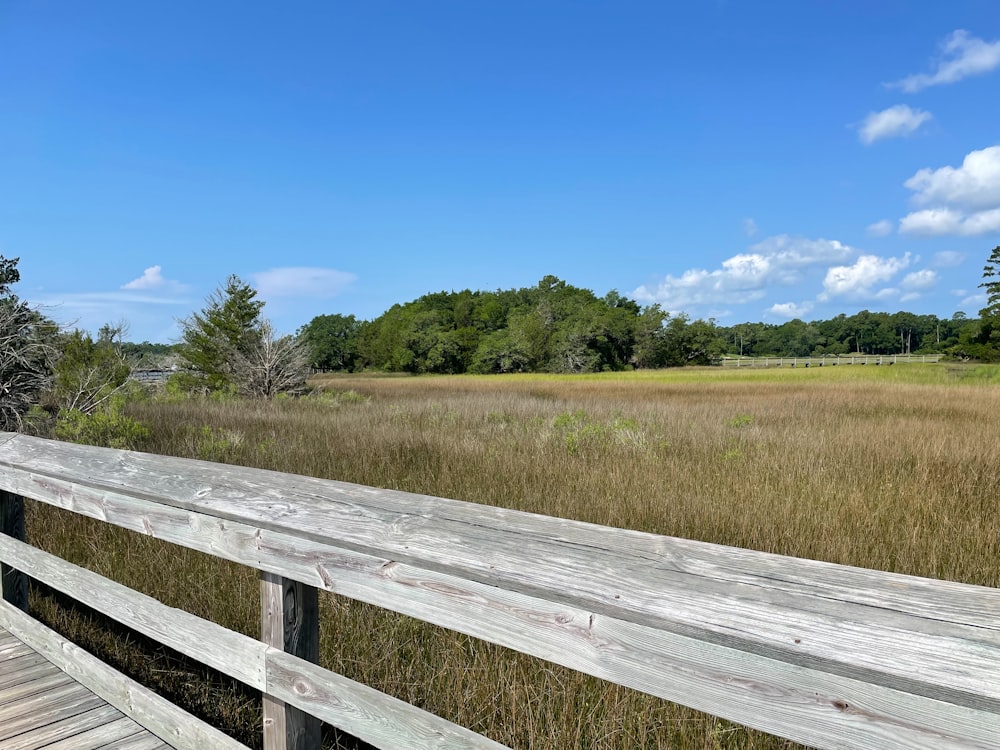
[
  {"x": 88, "y": 373},
  {"x": 228, "y": 327},
  {"x": 650, "y": 338},
  {"x": 991, "y": 272},
  {"x": 332, "y": 341},
  {"x": 988, "y": 336}
]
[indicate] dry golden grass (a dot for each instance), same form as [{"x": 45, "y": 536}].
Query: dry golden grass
[{"x": 888, "y": 468}]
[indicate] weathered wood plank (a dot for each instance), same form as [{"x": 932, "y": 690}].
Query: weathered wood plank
[
  {"x": 48, "y": 731},
  {"x": 64, "y": 702},
  {"x": 13, "y": 650},
  {"x": 32, "y": 687},
  {"x": 364, "y": 712},
  {"x": 138, "y": 742},
  {"x": 24, "y": 669},
  {"x": 289, "y": 621},
  {"x": 13, "y": 583},
  {"x": 100, "y": 735},
  {"x": 174, "y": 726}
]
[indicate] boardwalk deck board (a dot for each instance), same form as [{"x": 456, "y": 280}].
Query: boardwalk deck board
[
  {"x": 176, "y": 729},
  {"x": 24, "y": 669},
  {"x": 41, "y": 705}
]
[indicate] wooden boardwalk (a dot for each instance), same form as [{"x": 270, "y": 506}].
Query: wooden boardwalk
[{"x": 42, "y": 706}]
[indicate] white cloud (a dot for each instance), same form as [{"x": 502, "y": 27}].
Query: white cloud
[
  {"x": 302, "y": 282},
  {"x": 790, "y": 309},
  {"x": 963, "y": 200},
  {"x": 779, "y": 260},
  {"x": 919, "y": 280},
  {"x": 750, "y": 227},
  {"x": 948, "y": 259},
  {"x": 858, "y": 281},
  {"x": 894, "y": 122},
  {"x": 880, "y": 228},
  {"x": 974, "y": 185},
  {"x": 945, "y": 221},
  {"x": 962, "y": 55},
  {"x": 932, "y": 221},
  {"x": 151, "y": 278}
]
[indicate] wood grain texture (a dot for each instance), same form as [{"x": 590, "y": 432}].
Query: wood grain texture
[
  {"x": 172, "y": 725},
  {"x": 24, "y": 669},
  {"x": 63, "y": 704},
  {"x": 828, "y": 655},
  {"x": 289, "y": 616},
  {"x": 138, "y": 742},
  {"x": 100, "y": 735},
  {"x": 49, "y": 731},
  {"x": 374, "y": 717}
]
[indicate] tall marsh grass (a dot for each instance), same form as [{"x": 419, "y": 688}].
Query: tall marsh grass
[{"x": 888, "y": 468}]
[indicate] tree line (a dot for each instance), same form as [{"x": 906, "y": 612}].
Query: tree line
[{"x": 556, "y": 327}]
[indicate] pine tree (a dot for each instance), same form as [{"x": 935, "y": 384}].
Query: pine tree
[
  {"x": 991, "y": 272},
  {"x": 228, "y": 328}
]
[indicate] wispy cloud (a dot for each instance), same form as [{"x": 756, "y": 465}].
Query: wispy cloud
[
  {"x": 880, "y": 228},
  {"x": 894, "y": 122},
  {"x": 948, "y": 259},
  {"x": 790, "y": 310},
  {"x": 915, "y": 284},
  {"x": 963, "y": 200},
  {"x": 149, "y": 316},
  {"x": 972, "y": 301},
  {"x": 962, "y": 55},
  {"x": 297, "y": 281},
  {"x": 750, "y": 227}
]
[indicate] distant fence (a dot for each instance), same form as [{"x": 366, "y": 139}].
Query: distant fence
[
  {"x": 829, "y": 361},
  {"x": 152, "y": 375},
  {"x": 827, "y": 655}
]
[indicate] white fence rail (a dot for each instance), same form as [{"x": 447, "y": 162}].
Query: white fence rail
[{"x": 830, "y": 361}]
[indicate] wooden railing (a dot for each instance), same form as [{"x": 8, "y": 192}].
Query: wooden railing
[
  {"x": 827, "y": 655},
  {"x": 830, "y": 360}
]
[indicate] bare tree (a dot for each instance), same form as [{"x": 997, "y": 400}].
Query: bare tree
[
  {"x": 271, "y": 365},
  {"x": 26, "y": 356}
]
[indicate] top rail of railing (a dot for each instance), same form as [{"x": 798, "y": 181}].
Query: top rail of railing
[{"x": 831, "y": 360}]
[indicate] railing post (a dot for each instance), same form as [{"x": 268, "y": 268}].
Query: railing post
[
  {"x": 289, "y": 620},
  {"x": 13, "y": 583}
]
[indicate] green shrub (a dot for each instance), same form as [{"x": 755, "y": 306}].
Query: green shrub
[{"x": 108, "y": 428}]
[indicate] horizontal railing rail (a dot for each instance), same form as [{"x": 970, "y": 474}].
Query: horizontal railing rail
[{"x": 827, "y": 655}]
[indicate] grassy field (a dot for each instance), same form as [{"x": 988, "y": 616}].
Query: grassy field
[{"x": 894, "y": 468}]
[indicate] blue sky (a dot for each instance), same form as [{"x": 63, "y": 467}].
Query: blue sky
[{"x": 735, "y": 160}]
